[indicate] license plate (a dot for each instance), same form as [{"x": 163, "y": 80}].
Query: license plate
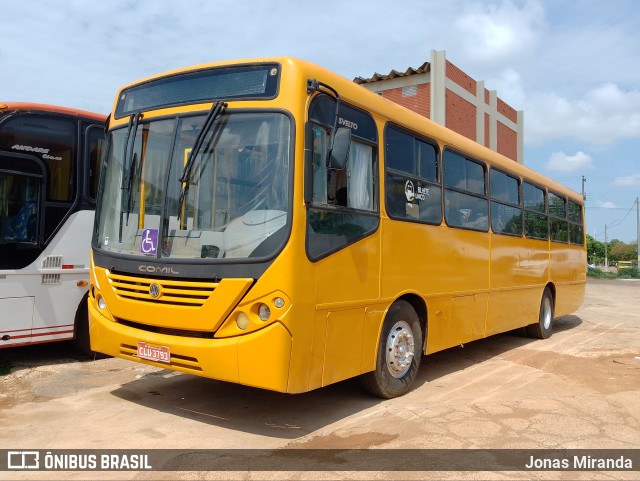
[{"x": 153, "y": 353}]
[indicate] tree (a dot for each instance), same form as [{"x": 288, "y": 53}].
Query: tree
[
  {"x": 624, "y": 252},
  {"x": 595, "y": 250}
]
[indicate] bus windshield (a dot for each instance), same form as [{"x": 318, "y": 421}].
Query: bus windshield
[{"x": 237, "y": 197}]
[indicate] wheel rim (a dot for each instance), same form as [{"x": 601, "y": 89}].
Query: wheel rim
[
  {"x": 546, "y": 313},
  {"x": 400, "y": 348}
]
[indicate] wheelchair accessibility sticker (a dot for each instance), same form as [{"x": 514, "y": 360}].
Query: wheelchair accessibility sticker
[{"x": 149, "y": 243}]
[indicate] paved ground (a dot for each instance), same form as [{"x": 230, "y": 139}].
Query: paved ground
[{"x": 579, "y": 389}]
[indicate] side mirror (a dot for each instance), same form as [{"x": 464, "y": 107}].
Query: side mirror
[{"x": 340, "y": 144}]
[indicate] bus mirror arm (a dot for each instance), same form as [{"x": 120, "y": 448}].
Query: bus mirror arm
[
  {"x": 312, "y": 85},
  {"x": 341, "y": 139}
]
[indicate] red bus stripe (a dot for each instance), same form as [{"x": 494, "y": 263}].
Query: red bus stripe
[
  {"x": 41, "y": 334},
  {"x": 52, "y": 327},
  {"x": 36, "y": 329}
]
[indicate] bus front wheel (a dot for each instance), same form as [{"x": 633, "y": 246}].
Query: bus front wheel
[
  {"x": 542, "y": 329},
  {"x": 81, "y": 341},
  {"x": 399, "y": 353}
]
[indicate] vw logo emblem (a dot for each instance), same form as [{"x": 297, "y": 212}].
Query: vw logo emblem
[{"x": 154, "y": 290}]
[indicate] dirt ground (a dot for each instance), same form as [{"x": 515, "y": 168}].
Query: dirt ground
[{"x": 578, "y": 389}]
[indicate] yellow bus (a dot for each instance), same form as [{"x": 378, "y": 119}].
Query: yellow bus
[
  {"x": 270, "y": 223},
  {"x": 625, "y": 265}
]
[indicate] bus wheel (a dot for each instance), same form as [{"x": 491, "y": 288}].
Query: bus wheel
[
  {"x": 399, "y": 353},
  {"x": 542, "y": 328},
  {"x": 82, "y": 342}
]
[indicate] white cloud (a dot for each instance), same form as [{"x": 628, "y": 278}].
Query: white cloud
[
  {"x": 509, "y": 87},
  {"x": 490, "y": 32},
  {"x": 607, "y": 205},
  {"x": 561, "y": 162},
  {"x": 627, "y": 181},
  {"x": 602, "y": 116}
]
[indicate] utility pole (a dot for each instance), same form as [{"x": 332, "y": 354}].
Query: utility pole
[
  {"x": 584, "y": 196},
  {"x": 606, "y": 248}
]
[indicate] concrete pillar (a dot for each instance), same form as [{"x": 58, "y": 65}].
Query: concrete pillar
[
  {"x": 438, "y": 87},
  {"x": 493, "y": 120},
  {"x": 520, "y": 134},
  {"x": 480, "y": 111}
]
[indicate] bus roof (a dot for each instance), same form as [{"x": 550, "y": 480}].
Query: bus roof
[
  {"x": 385, "y": 108},
  {"x": 30, "y": 106}
]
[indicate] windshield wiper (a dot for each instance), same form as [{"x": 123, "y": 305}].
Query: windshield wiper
[
  {"x": 132, "y": 172},
  {"x": 130, "y": 165},
  {"x": 217, "y": 110}
]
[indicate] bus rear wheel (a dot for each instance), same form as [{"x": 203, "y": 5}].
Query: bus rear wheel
[
  {"x": 542, "y": 329},
  {"x": 399, "y": 353}
]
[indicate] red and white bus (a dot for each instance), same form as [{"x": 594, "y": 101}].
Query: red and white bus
[{"x": 49, "y": 168}]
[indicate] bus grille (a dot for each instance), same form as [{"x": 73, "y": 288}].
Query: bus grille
[
  {"x": 52, "y": 262},
  {"x": 170, "y": 331},
  {"x": 50, "y": 279},
  {"x": 168, "y": 292}
]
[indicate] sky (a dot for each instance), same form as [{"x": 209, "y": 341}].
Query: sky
[{"x": 572, "y": 67}]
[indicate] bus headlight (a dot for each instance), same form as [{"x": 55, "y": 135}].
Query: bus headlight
[
  {"x": 264, "y": 312},
  {"x": 242, "y": 320},
  {"x": 102, "y": 304}
]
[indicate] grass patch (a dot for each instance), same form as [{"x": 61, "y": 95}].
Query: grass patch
[
  {"x": 597, "y": 273},
  {"x": 5, "y": 367},
  {"x": 628, "y": 274}
]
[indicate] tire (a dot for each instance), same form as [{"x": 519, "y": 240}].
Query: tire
[
  {"x": 82, "y": 341},
  {"x": 399, "y": 353},
  {"x": 543, "y": 328}
]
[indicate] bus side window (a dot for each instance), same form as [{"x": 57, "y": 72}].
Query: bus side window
[
  {"x": 558, "y": 225},
  {"x": 506, "y": 213},
  {"x": 466, "y": 204},
  {"x": 21, "y": 213},
  {"x": 359, "y": 188},
  {"x": 412, "y": 190},
  {"x": 342, "y": 204},
  {"x": 349, "y": 187},
  {"x": 536, "y": 223},
  {"x": 320, "y": 147},
  {"x": 343, "y": 199},
  {"x": 576, "y": 224}
]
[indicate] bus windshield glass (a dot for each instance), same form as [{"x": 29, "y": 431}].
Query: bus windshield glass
[
  {"x": 237, "y": 201},
  {"x": 242, "y": 82}
]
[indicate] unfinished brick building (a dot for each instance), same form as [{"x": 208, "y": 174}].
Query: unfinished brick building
[{"x": 442, "y": 92}]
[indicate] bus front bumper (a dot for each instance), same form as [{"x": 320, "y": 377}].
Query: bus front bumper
[{"x": 260, "y": 358}]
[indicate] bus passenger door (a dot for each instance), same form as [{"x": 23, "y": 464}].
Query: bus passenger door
[
  {"x": 21, "y": 179},
  {"x": 343, "y": 242}
]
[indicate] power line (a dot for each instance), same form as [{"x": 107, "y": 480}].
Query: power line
[{"x": 615, "y": 223}]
